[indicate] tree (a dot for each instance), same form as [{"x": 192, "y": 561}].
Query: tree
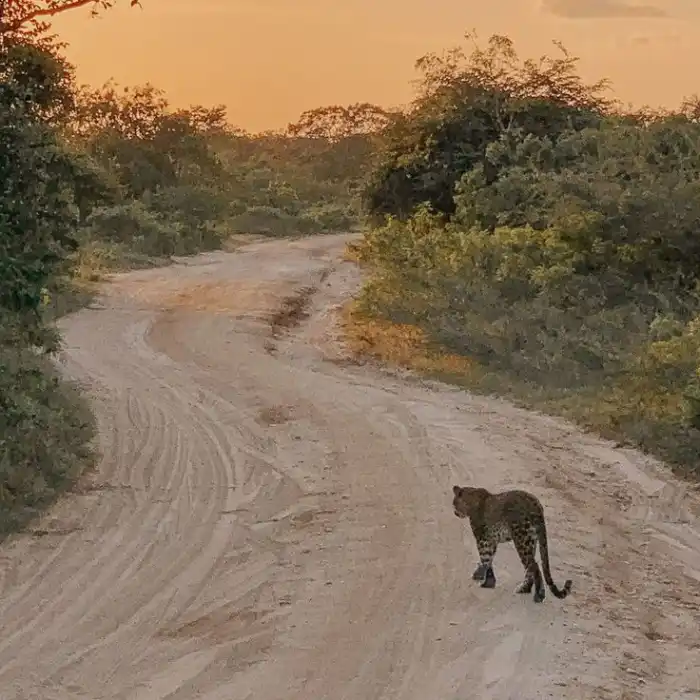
[
  {"x": 31, "y": 18},
  {"x": 497, "y": 70},
  {"x": 38, "y": 207},
  {"x": 136, "y": 135},
  {"x": 466, "y": 102},
  {"x": 36, "y": 82},
  {"x": 341, "y": 141},
  {"x": 335, "y": 123}
]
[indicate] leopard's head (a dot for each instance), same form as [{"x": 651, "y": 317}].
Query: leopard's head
[{"x": 466, "y": 500}]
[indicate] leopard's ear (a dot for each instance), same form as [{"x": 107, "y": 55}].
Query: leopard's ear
[{"x": 457, "y": 490}]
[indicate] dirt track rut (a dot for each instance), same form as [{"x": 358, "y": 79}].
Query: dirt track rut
[{"x": 268, "y": 523}]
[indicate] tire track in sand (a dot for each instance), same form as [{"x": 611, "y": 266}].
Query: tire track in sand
[{"x": 316, "y": 556}]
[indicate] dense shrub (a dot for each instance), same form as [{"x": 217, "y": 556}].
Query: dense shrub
[
  {"x": 45, "y": 428},
  {"x": 564, "y": 257}
]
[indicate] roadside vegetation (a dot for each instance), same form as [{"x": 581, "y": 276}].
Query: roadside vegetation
[
  {"x": 524, "y": 234},
  {"x": 97, "y": 180},
  {"x": 523, "y": 221}
]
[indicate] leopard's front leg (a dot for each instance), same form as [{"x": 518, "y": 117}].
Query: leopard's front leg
[{"x": 484, "y": 572}]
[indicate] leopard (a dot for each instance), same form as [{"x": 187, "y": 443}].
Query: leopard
[{"x": 509, "y": 516}]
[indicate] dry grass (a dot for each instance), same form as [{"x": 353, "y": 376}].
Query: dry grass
[
  {"x": 632, "y": 412},
  {"x": 400, "y": 344},
  {"x": 352, "y": 252},
  {"x": 292, "y": 311}
]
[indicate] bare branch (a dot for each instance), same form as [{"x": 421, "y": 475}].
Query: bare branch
[{"x": 54, "y": 8}]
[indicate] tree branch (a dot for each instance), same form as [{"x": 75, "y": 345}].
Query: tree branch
[{"x": 55, "y": 10}]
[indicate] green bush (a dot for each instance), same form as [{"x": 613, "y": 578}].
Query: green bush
[
  {"x": 566, "y": 261},
  {"x": 328, "y": 217},
  {"x": 269, "y": 221},
  {"x": 135, "y": 226},
  {"x": 46, "y": 429}
]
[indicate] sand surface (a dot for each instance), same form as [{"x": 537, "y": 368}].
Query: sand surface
[{"x": 269, "y": 522}]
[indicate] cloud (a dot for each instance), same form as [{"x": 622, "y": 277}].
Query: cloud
[{"x": 598, "y": 9}]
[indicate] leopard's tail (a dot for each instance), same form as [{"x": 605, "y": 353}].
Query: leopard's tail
[{"x": 544, "y": 554}]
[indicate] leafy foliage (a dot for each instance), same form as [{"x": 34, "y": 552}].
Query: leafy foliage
[
  {"x": 194, "y": 174},
  {"x": 44, "y": 428},
  {"x": 550, "y": 236},
  {"x": 98, "y": 179},
  {"x": 38, "y": 215},
  {"x": 465, "y": 104}
]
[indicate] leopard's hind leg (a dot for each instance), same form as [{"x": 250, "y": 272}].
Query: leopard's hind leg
[{"x": 526, "y": 545}]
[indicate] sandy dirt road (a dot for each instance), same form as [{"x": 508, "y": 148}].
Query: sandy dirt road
[{"x": 271, "y": 523}]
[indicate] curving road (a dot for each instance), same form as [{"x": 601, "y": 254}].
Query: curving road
[{"x": 270, "y": 522}]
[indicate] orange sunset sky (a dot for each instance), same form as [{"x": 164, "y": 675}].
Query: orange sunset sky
[{"x": 268, "y": 60}]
